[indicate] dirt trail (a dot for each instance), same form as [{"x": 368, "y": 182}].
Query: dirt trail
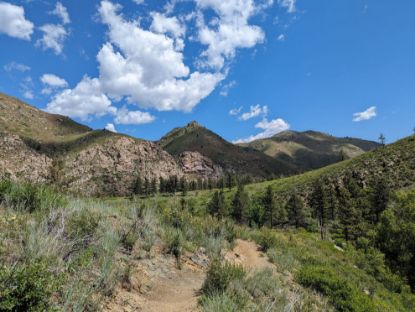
[
  {"x": 158, "y": 286},
  {"x": 247, "y": 254}
]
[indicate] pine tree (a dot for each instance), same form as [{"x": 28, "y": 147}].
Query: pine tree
[
  {"x": 240, "y": 205},
  {"x": 319, "y": 205},
  {"x": 269, "y": 205},
  {"x": 347, "y": 213},
  {"x": 297, "y": 213},
  {"x": 380, "y": 198},
  {"x": 162, "y": 185},
  {"x": 138, "y": 186},
  {"x": 217, "y": 206},
  {"x": 146, "y": 188},
  {"x": 184, "y": 186},
  {"x": 281, "y": 215},
  {"x": 382, "y": 139},
  {"x": 153, "y": 186}
]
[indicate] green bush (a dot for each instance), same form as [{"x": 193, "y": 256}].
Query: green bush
[
  {"x": 219, "y": 277},
  {"x": 128, "y": 240},
  {"x": 267, "y": 239},
  {"x": 175, "y": 246},
  {"x": 82, "y": 224},
  {"x": 344, "y": 296},
  {"x": 27, "y": 287},
  {"x": 28, "y": 197}
]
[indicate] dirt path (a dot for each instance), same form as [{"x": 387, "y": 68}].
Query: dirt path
[
  {"x": 158, "y": 286},
  {"x": 247, "y": 254}
]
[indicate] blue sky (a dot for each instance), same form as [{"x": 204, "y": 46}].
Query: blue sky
[{"x": 245, "y": 69}]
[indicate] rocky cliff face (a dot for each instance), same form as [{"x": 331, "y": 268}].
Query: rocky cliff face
[
  {"x": 196, "y": 165},
  {"x": 20, "y": 162},
  {"x": 112, "y": 167}
]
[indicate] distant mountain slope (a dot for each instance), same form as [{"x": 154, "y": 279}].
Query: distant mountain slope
[
  {"x": 230, "y": 157},
  {"x": 310, "y": 149},
  {"x": 29, "y": 122},
  {"x": 44, "y": 148},
  {"x": 395, "y": 162}
]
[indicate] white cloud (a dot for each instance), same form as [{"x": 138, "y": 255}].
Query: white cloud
[
  {"x": 62, "y": 13},
  {"x": 147, "y": 68},
  {"x": 235, "y": 111},
  {"x": 53, "y": 37},
  {"x": 126, "y": 117},
  {"x": 110, "y": 127},
  {"x": 227, "y": 32},
  {"x": 85, "y": 100},
  {"x": 366, "y": 115},
  {"x": 53, "y": 81},
  {"x": 270, "y": 128},
  {"x": 13, "y": 22},
  {"x": 281, "y": 37},
  {"x": 16, "y": 66},
  {"x": 138, "y": 1},
  {"x": 167, "y": 25},
  {"x": 227, "y": 87},
  {"x": 288, "y": 4},
  {"x": 254, "y": 111},
  {"x": 28, "y": 94}
]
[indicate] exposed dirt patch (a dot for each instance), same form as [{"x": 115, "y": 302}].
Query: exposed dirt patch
[
  {"x": 247, "y": 254},
  {"x": 157, "y": 285}
]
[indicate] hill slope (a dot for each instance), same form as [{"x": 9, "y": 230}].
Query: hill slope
[
  {"x": 44, "y": 148},
  {"x": 232, "y": 158},
  {"x": 310, "y": 149}
]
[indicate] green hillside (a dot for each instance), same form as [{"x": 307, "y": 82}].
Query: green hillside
[
  {"x": 232, "y": 158},
  {"x": 310, "y": 149}
]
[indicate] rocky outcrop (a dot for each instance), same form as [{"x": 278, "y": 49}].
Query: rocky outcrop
[
  {"x": 20, "y": 162},
  {"x": 112, "y": 167},
  {"x": 195, "y": 164}
]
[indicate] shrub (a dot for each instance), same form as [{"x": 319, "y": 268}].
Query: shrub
[
  {"x": 219, "y": 302},
  {"x": 82, "y": 224},
  {"x": 128, "y": 240},
  {"x": 219, "y": 276},
  {"x": 28, "y": 197},
  {"x": 267, "y": 239},
  {"x": 27, "y": 287},
  {"x": 344, "y": 296},
  {"x": 175, "y": 246}
]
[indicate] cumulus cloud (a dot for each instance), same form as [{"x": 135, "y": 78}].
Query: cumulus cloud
[
  {"x": 126, "y": 117},
  {"x": 167, "y": 25},
  {"x": 235, "y": 111},
  {"x": 110, "y": 127},
  {"x": 52, "y": 82},
  {"x": 13, "y": 22},
  {"x": 227, "y": 32},
  {"x": 84, "y": 101},
  {"x": 62, "y": 13},
  {"x": 147, "y": 68},
  {"x": 28, "y": 94},
  {"x": 270, "y": 128},
  {"x": 138, "y": 1},
  {"x": 16, "y": 66},
  {"x": 281, "y": 37},
  {"x": 288, "y": 4},
  {"x": 255, "y": 111},
  {"x": 53, "y": 38},
  {"x": 366, "y": 115}
]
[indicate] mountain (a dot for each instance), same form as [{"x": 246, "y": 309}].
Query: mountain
[
  {"x": 310, "y": 149},
  {"x": 44, "y": 148},
  {"x": 229, "y": 157}
]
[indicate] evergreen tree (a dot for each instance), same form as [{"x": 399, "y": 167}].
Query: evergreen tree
[
  {"x": 184, "y": 186},
  {"x": 382, "y": 139},
  {"x": 138, "y": 186},
  {"x": 146, "y": 188},
  {"x": 269, "y": 205},
  {"x": 280, "y": 215},
  {"x": 217, "y": 205},
  {"x": 153, "y": 186},
  {"x": 162, "y": 185},
  {"x": 319, "y": 205},
  {"x": 297, "y": 213},
  {"x": 380, "y": 198},
  {"x": 240, "y": 205},
  {"x": 348, "y": 214}
]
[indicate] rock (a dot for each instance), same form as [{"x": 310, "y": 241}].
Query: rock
[
  {"x": 195, "y": 164},
  {"x": 200, "y": 258},
  {"x": 20, "y": 162}
]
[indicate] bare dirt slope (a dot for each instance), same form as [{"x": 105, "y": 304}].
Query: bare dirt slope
[{"x": 157, "y": 285}]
